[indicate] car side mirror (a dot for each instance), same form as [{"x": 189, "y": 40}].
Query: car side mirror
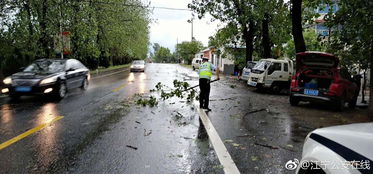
[{"x": 265, "y": 66}]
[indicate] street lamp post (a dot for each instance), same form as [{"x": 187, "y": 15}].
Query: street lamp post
[{"x": 191, "y": 21}]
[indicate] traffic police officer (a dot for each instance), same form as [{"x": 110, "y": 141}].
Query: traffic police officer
[{"x": 205, "y": 74}]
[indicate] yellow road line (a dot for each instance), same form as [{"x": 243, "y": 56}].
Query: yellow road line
[
  {"x": 119, "y": 88},
  {"x": 27, "y": 133}
]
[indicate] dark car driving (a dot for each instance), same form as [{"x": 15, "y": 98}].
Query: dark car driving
[{"x": 48, "y": 76}]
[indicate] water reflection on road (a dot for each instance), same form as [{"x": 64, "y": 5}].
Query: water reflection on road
[{"x": 46, "y": 139}]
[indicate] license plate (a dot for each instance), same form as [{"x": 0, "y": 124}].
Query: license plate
[
  {"x": 23, "y": 89},
  {"x": 252, "y": 83},
  {"x": 246, "y": 73},
  {"x": 311, "y": 92}
]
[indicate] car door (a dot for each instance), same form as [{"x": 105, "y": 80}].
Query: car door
[
  {"x": 274, "y": 73},
  {"x": 72, "y": 75},
  {"x": 82, "y": 73}
]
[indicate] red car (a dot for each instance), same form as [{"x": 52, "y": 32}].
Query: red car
[{"x": 319, "y": 78}]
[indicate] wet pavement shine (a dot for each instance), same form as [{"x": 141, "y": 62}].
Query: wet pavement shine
[{"x": 103, "y": 130}]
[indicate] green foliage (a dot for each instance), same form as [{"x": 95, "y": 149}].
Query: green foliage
[
  {"x": 103, "y": 33},
  {"x": 163, "y": 55},
  {"x": 313, "y": 43},
  {"x": 152, "y": 101},
  {"x": 352, "y": 36},
  {"x": 187, "y": 50},
  {"x": 246, "y": 17},
  {"x": 179, "y": 88}
]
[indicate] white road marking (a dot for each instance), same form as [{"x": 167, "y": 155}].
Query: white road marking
[
  {"x": 109, "y": 74},
  {"x": 224, "y": 157}
]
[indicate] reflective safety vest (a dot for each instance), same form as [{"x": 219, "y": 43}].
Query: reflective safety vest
[{"x": 205, "y": 71}]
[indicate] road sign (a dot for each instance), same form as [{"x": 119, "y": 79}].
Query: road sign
[{"x": 62, "y": 43}]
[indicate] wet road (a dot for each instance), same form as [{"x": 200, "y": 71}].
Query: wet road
[
  {"x": 88, "y": 114},
  {"x": 104, "y": 131}
]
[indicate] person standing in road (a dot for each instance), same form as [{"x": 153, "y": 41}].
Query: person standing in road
[{"x": 205, "y": 74}]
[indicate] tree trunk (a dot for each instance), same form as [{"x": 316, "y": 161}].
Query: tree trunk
[
  {"x": 297, "y": 31},
  {"x": 265, "y": 38},
  {"x": 28, "y": 10},
  {"x": 248, "y": 34},
  {"x": 371, "y": 81},
  {"x": 364, "y": 87},
  {"x": 43, "y": 28}
]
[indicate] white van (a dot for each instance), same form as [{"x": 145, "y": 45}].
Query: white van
[
  {"x": 247, "y": 70},
  {"x": 196, "y": 62},
  {"x": 272, "y": 73}
]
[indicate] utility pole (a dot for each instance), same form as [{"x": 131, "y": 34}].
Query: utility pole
[{"x": 191, "y": 21}]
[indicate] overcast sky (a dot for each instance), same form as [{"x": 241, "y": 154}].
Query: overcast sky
[{"x": 172, "y": 25}]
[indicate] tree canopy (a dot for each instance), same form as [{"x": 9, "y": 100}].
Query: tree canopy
[
  {"x": 101, "y": 33},
  {"x": 163, "y": 55},
  {"x": 186, "y": 50}
]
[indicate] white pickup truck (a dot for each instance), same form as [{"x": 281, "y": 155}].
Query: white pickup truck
[{"x": 274, "y": 74}]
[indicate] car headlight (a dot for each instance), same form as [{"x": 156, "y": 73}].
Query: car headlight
[
  {"x": 7, "y": 81},
  {"x": 131, "y": 66},
  {"x": 48, "y": 80}
]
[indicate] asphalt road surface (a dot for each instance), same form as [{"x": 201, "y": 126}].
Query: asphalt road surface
[{"x": 103, "y": 130}]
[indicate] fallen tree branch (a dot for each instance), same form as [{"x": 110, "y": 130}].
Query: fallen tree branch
[{"x": 265, "y": 145}]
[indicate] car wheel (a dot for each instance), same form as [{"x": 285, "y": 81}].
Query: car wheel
[
  {"x": 62, "y": 91},
  {"x": 84, "y": 84},
  {"x": 194, "y": 68},
  {"x": 276, "y": 88},
  {"x": 340, "y": 104},
  {"x": 294, "y": 101}
]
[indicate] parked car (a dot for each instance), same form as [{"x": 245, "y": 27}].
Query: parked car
[
  {"x": 247, "y": 70},
  {"x": 342, "y": 149},
  {"x": 274, "y": 74},
  {"x": 319, "y": 78},
  {"x": 47, "y": 76},
  {"x": 196, "y": 62},
  {"x": 138, "y": 65}
]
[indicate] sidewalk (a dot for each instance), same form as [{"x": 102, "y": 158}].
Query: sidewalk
[{"x": 360, "y": 97}]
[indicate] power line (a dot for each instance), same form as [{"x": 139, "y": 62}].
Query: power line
[
  {"x": 139, "y": 6},
  {"x": 170, "y": 8}
]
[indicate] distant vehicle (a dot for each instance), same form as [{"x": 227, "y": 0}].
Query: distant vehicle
[
  {"x": 247, "y": 70},
  {"x": 274, "y": 74},
  {"x": 47, "y": 76},
  {"x": 339, "y": 149},
  {"x": 318, "y": 78},
  {"x": 196, "y": 62},
  {"x": 138, "y": 65}
]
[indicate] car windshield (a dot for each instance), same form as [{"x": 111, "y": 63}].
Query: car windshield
[
  {"x": 262, "y": 65},
  {"x": 250, "y": 65},
  {"x": 46, "y": 66},
  {"x": 138, "y": 62}
]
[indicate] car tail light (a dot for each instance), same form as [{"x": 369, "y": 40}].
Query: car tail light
[
  {"x": 294, "y": 83},
  {"x": 333, "y": 89}
]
